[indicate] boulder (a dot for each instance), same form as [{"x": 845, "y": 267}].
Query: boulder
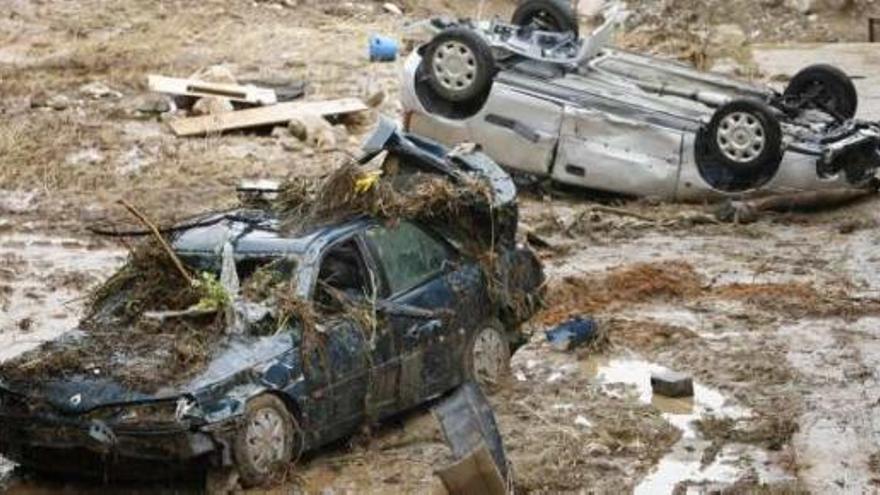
[{"x": 212, "y": 105}]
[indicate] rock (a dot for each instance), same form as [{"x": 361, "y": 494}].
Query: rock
[
  {"x": 216, "y": 74},
  {"x": 39, "y": 100},
  {"x": 314, "y": 130},
  {"x": 153, "y": 104},
  {"x": 376, "y": 98},
  {"x": 98, "y": 90},
  {"x": 279, "y": 132},
  {"x": 212, "y": 105},
  {"x": 672, "y": 384},
  {"x": 392, "y": 8},
  {"x": 17, "y": 202},
  {"x": 58, "y": 102}
]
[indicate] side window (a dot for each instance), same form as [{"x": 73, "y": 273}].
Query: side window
[
  {"x": 343, "y": 275},
  {"x": 409, "y": 255}
]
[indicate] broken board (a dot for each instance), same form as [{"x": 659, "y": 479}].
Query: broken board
[
  {"x": 475, "y": 474},
  {"x": 197, "y": 88},
  {"x": 263, "y": 116}
]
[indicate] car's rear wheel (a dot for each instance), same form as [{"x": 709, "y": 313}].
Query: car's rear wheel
[
  {"x": 825, "y": 87},
  {"x": 265, "y": 442},
  {"x": 745, "y": 135},
  {"x": 459, "y": 65},
  {"x": 741, "y": 148},
  {"x": 547, "y": 15},
  {"x": 487, "y": 357}
]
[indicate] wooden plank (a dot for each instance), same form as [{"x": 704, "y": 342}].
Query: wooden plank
[
  {"x": 262, "y": 116},
  {"x": 197, "y": 88}
]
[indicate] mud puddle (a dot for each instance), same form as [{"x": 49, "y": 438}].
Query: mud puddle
[
  {"x": 42, "y": 282},
  {"x": 630, "y": 378}
]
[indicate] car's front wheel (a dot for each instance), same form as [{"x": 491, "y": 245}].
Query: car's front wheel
[
  {"x": 487, "y": 358},
  {"x": 265, "y": 442},
  {"x": 825, "y": 87},
  {"x": 459, "y": 65}
]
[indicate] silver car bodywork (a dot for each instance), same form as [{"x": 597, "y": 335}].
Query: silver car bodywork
[{"x": 610, "y": 120}]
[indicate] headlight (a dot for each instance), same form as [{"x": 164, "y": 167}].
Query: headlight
[{"x": 148, "y": 413}]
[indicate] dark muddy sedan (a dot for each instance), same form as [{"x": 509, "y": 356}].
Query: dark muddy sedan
[{"x": 263, "y": 398}]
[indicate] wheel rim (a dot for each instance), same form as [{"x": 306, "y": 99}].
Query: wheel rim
[
  {"x": 489, "y": 357},
  {"x": 455, "y": 66},
  {"x": 265, "y": 438},
  {"x": 741, "y": 137}
]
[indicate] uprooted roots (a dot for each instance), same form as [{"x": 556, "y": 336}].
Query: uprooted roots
[
  {"x": 386, "y": 193},
  {"x": 116, "y": 342}
]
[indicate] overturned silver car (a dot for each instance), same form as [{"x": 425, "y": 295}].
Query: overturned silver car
[{"x": 542, "y": 100}]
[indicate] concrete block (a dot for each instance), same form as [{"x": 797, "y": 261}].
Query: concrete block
[{"x": 672, "y": 384}]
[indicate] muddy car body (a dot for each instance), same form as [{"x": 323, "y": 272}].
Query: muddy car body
[
  {"x": 579, "y": 112},
  {"x": 433, "y": 309}
]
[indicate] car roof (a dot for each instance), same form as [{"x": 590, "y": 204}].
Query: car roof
[{"x": 257, "y": 233}]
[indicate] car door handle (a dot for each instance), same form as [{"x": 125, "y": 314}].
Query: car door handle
[
  {"x": 424, "y": 331},
  {"x": 520, "y": 129}
]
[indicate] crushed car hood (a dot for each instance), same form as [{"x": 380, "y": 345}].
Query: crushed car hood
[{"x": 242, "y": 361}]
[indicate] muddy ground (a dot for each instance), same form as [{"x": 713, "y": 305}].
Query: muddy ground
[{"x": 777, "y": 320}]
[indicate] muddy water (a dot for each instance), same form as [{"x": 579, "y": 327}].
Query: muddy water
[
  {"x": 683, "y": 462},
  {"x": 43, "y": 279}
]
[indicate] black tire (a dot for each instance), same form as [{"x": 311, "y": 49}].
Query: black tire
[
  {"x": 492, "y": 377},
  {"x": 251, "y": 471},
  {"x": 745, "y": 136},
  {"x": 828, "y": 87},
  {"x": 547, "y": 15},
  {"x": 459, "y": 65}
]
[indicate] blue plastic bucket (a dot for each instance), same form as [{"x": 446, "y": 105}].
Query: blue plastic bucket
[{"x": 382, "y": 49}]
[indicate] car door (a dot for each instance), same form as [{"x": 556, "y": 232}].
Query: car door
[
  {"x": 362, "y": 365},
  {"x": 618, "y": 153},
  {"x": 422, "y": 301}
]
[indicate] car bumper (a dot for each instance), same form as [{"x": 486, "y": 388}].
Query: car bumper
[
  {"x": 858, "y": 156},
  {"x": 91, "y": 448}
]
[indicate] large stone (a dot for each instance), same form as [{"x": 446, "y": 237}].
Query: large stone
[
  {"x": 314, "y": 130},
  {"x": 212, "y": 105},
  {"x": 98, "y": 90}
]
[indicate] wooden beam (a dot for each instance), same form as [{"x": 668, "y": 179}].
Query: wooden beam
[
  {"x": 263, "y": 116},
  {"x": 197, "y": 88}
]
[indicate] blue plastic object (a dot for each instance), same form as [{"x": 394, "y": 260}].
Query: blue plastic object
[
  {"x": 573, "y": 333},
  {"x": 383, "y": 49}
]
